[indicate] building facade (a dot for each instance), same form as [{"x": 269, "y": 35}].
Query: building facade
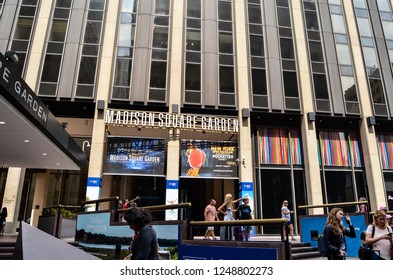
[{"x": 186, "y": 100}]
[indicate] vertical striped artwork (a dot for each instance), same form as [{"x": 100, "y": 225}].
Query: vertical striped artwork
[
  {"x": 274, "y": 145},
  {"x": 385, "y": 145},
  {"x": 335, "y": 149},
  {"x": 356, "y": 150}
]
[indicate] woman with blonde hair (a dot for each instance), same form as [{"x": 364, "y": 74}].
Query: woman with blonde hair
[
  {"x": 227, "y": 209},
  {"x": 335, "y": 233},
  {"x": 379, "y": 235}
]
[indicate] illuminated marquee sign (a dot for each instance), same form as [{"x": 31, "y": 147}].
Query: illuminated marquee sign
[{"x": 168, "y": 121}]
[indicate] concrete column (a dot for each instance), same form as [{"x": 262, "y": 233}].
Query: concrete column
[
  {"x": 372, "y": 163},
  {"x": 40, "y": 190},
  {"x": 12, "y": 197},
  {"x": 246, "y": 166},
  {"x": 96, "y": 162},
  {"x": 308, "y": 129},
  {"x": 175, "y": 97},
  {"x": 33, "y": 65}
]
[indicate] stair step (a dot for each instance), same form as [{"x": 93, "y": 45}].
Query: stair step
[
  {"x": 6, "y": 256},
  {"x": 303, "y": 249},
  {"x": 305, "y": 255}
]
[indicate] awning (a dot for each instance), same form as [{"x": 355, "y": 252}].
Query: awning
[{"x": 30, "y": 135}]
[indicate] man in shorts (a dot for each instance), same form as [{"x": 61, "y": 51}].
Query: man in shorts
[{"x": 210, "y": 216}]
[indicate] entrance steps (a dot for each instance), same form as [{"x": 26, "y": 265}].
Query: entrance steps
[
  {"x": 303, "y": 250},
  {"x": 7, "y": 250}
]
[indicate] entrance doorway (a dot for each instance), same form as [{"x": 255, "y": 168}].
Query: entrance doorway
[
  {"x": 277, "y": 185},
  {"x": 200, "y": 191}
]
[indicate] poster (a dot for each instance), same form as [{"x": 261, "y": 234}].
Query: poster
[
  {"x": 208, "y": 159},
  {"x": 135, "y": 156}
]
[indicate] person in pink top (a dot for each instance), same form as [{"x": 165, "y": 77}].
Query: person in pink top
[{"x": 210, "y": 216}]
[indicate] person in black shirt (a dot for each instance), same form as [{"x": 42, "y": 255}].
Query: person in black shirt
[
  {"x": 245, "y": 214},
  {"x": 144, "y": 245},
  {"x": 335, "y": 234}
]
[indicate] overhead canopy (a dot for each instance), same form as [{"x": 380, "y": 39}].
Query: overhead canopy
[{"x": 30, "y": 135}]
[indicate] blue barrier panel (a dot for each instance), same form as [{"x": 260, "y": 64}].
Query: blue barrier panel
[
  {"x": 312, "y": 226},
  {"x": 206, "y": 252}
]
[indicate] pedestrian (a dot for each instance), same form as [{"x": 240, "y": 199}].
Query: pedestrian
[
  {"x": 379, "y": 235},
  {"x": 210, "y": 216},
  {"x": 363, "y": 206},
  {"x": 227, "y": 209},
  {"x": 144, "y": 245},
  {"x": 245, "y": 213},
  {"x": 335, "y": 232},
  {"x": 3, "y": 217},
  {"x": 286, "y": 214}
]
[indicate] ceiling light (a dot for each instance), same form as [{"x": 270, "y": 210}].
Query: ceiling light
[
  {"x": 2, "y": 122},
  {"x": 26, "y": 141},
  {"x": 44, "y": 154}
]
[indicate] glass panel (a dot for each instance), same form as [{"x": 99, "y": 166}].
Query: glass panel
[
  {"x": 349, "y": 88},
  {"x": 158, "y": 74},
  {"x": 194, "y": 8},
  {"x": 123, "y": 72},
  {"x": 364, "y": 27},
  {"x": 255, "y": 29},
  {"x": 338, "y": 24},
  {"x": 192, "y": 97},
  {"x": 341, "y": 38},
  {"x": 61, "y": 14},
  {"x": 63, "y": 3},
  {"x": 334, "y": 9},
  {"x": 343, "y": 54},
  {"x": 370, "y": 58},
  {"x": 93, "y": 32},
  {"x": 84, "y": 91},
  {"x": 227, "y": 79},
  {"x": 193, "y": 77},
  {"x": 97, "y": 5},
  {"x": 284, "y": 17},
  {"x": 383, "y": 5},
  {"x": 50, "y": 71},
  {"x": 287, "y": 50},
  {"x": 224, "y": 11},
  {"x": 226, "y": 59},
  {"x": 282, "y": 3},
  {"x": 124, "y": 52},
  {"x": 290, "y": 84},
  {"x": 163, "y": 21},
  {"x": 27, "y": 11},
  {"x": 227, "y": 99},
  {"x": 386, "y": 16},
  {"x": 193, "y": 57},
  {"x": 129, "y": 6},
  {"x": 377, "y": 91},
  {"x": 367, "y": 42},
  {"x": 254, "y": 14},
  {"x": 339, "y": 187},
  {"x": 316, "y": 51},
  {"x": 121, "y": 93},
  {"x": 90, "y": 50},
  {"x": 95, "y": 15},
  {"x": 160, "y": 37},
  {"x": 259, "y": 81},
  {"x": 359, "y": 4},
  {"x": 159, "y": 54},
  {"x": 320, "y": 87},
  {"x": 47, "y": 89},
  {"x": 388, "y": 29},
  {"x": 87, "y": 70},
  {"x": 346, "y": 70},
  {"x": 225, "y": 42},
  {"x": 194, "y": 23},
  {"x": 126, "y": 35},
  {"x": 193, "y": 40},
  {"x": 58, "y": 32},
  {"x": 256, "y": 46},
  {"x": 312, "y": 21},
  {"x": 23, "y": 29},
  {"x": 361, "y": 13},
  {"x": 162, "y": 7}
]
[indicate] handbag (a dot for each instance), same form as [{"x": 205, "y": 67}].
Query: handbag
[{"x": 365, "y": 252}]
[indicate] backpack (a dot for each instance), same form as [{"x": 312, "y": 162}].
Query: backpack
[
  {"x": 365, "y": 251},
  {"x": 322, "y": 244}
]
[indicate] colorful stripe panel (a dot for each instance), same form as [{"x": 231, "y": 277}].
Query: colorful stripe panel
[
  {"x": 385, "y": 144},
  {"x": 275, "y": 146}
]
